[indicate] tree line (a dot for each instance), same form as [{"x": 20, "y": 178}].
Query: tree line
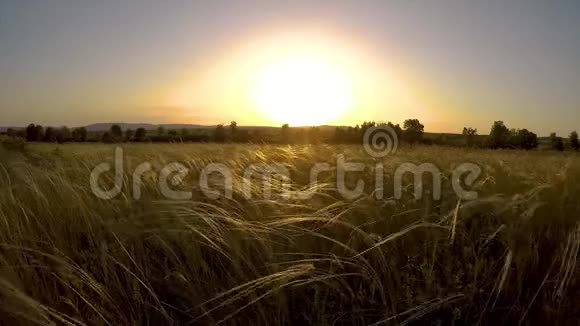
[
  {"x": 412, "y": 132},
  {"x": 36, "y": 133},
  {"x": 502, "y": 137}
]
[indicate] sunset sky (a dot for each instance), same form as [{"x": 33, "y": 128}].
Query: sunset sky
[{"x": 448, "y": 63}]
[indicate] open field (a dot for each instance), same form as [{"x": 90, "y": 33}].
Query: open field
[{"x": 68, "y": 257}]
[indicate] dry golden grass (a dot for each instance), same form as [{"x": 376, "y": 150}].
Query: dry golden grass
[{"x": 67, "y": 257}]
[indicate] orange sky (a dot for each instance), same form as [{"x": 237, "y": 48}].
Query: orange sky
[{"x": 449, "y": 64}]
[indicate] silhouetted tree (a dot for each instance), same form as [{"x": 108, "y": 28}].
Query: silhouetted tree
[
  {"x": 219, "y": 134},
  {"x": 573, "y": 141},
  {"x": 83, "y": 133},
  {"x": 354, "y": 135},
  {"x": 512, "y": 140},
  {"x": 50, "y": 135},
  {"x": 363, "y": 128},
  {"x": 107, "y": 138},
  {"x": 470, "y": 135},
  {"x": 31, "y": 132},
  {"x": 172, "y": 135},
  {"x": 116, "y": 133},
  {"x": 63, "y": 134},
  {"x": 39, "y": 132},
  {"x": 413, "y": 131},
  {"x": 556, "y": 142},
  {"x": 160, "y": 131},
  {"x": 34, "y": 132},
  {"x": 498, "y": 136},
  {"x": 526, "y": 139},
  {"x": 396, "y": 128},
  {"x": 79, "y": 134},
  {"x": 75, "y": 135},
  {"x": 129, "y": 133},
  {"x": 233, "y": 131},
  {"x": 140, "y": 134},
  {"x": 285, "y": 134}
]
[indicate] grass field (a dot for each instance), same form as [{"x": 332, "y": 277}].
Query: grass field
[{"x": 67, "y": 257}]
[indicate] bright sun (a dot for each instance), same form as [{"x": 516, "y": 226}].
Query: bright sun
[{"x": 303, "y": 91}]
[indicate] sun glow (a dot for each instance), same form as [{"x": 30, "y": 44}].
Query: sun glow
[
  {"x": 300, "y": 78},
  {"x": 302, "y": 90}
]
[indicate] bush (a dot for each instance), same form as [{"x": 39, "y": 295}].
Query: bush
[{"x": 13, "y": 143}]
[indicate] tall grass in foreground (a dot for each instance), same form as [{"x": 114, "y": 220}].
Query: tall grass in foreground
[{"x": 67, "y": 257}]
